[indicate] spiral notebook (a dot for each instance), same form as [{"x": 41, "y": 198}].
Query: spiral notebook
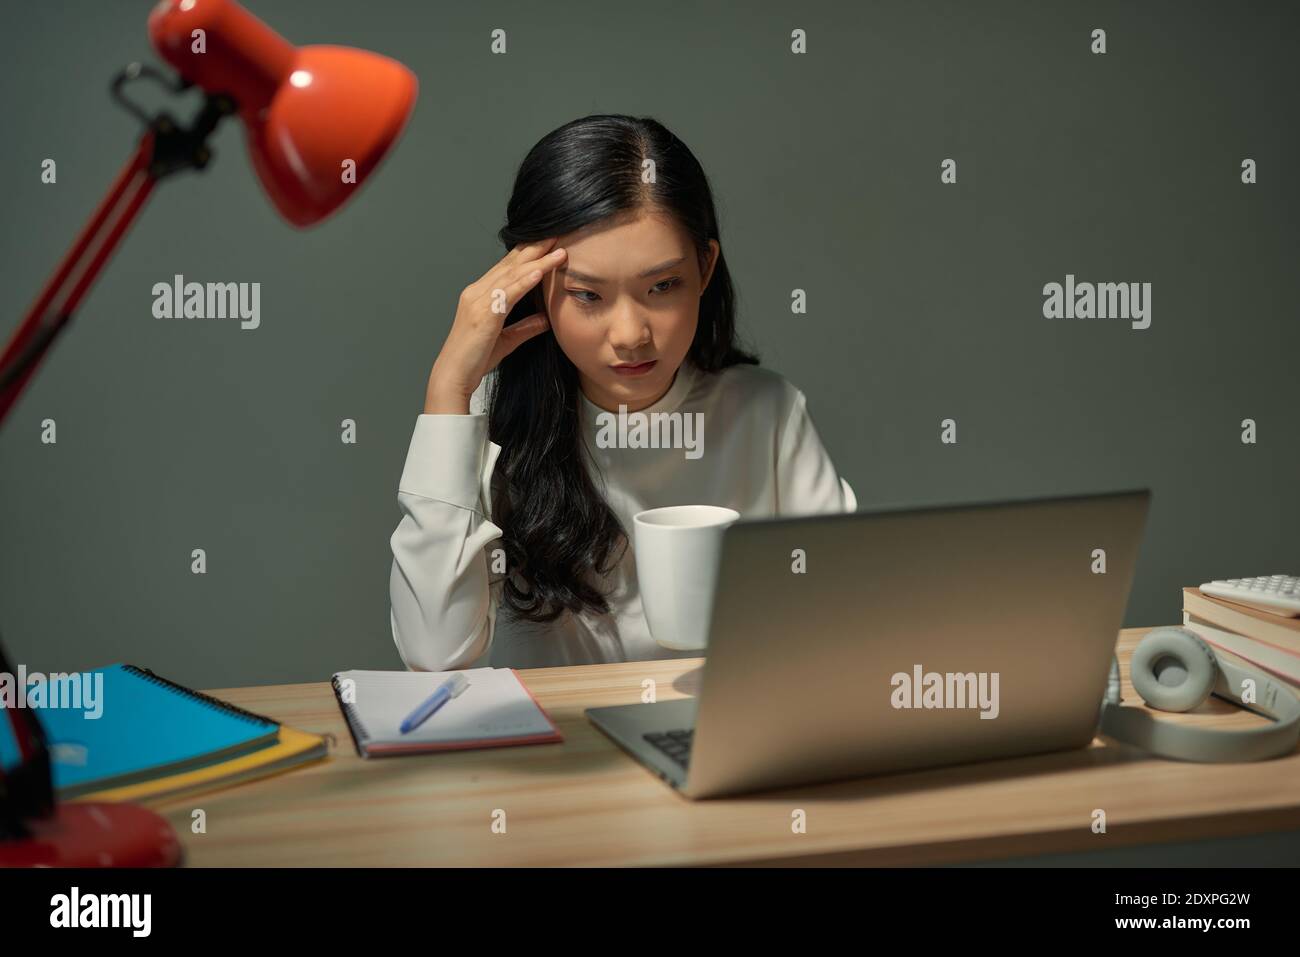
[
  {"x": 146, "y": 727},
  {"x": 496, "y": 710},
  {"x": 293, "y": 749}
]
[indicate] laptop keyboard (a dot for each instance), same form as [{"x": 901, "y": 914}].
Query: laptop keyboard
[{"x": 675, "y": 744}]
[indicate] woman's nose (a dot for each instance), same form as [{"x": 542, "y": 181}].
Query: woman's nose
[{"x": 629, "y": 331}]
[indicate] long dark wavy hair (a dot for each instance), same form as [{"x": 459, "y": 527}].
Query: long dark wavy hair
[{"x": 557, "y": 527}]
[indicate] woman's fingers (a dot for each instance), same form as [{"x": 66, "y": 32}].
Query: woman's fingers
[
  {"x": 518, "y": 259},
  {"x": 531, "y": 270},
  {"x": 528, "y": 277},
  {"x": 500, "y": 299},
  {"x": 513, "y": 336}
]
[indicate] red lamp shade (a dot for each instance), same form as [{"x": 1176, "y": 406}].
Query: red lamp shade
[{"x": 307, "y": 110}]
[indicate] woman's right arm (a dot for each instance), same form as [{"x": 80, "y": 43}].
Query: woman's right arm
[{"x": 443, "y": 609}]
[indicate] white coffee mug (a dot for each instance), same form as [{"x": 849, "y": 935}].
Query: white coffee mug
[{"x": 677, "y": 550}]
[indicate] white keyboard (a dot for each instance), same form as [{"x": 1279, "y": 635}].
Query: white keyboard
[{"x": 1278, "y": 594}]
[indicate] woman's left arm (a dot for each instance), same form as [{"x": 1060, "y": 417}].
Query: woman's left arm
[{"x": 806, "y": 479}]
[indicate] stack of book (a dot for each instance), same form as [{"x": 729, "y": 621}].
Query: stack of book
[
  {"x": 150, "y": 739},
  {"x": 1267, "y": 640}
]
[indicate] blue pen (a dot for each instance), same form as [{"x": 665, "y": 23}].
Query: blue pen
[{"x": 449, "y": 689}]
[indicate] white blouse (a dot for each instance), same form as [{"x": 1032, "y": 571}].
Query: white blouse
[{"x": 758, "y": 453}]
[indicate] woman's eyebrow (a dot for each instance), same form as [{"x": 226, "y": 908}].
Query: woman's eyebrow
[{"x": 669, "y": 264}]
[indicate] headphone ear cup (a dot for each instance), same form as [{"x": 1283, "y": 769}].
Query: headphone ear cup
[{"x": 1165, "y": 649}]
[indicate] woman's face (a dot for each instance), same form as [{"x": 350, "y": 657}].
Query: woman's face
[{"x": 627, "y": 292}]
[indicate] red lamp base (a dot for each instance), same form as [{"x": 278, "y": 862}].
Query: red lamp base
[{"x": 95, "y": 835}]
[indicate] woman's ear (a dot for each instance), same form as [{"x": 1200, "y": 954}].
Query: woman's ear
[{"x": 712, "y": 261}]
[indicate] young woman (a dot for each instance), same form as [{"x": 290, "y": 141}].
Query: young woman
[{"x": 614, "y": 292}]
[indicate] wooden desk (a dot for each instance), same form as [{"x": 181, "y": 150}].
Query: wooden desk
[{"x": 584, "y": 802}]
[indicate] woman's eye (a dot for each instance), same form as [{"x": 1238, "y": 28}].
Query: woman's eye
[{"x": 579, "y": 294}]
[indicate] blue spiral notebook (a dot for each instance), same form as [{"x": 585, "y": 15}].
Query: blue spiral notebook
[{"x": 148, "y": 727}]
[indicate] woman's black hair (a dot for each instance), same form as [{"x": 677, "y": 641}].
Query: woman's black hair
[{"x": 557, "y": 527}]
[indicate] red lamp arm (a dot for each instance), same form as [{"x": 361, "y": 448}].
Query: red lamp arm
[{"x": 76, "y": 273}]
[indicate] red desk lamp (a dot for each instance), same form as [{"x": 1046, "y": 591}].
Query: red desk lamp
[{"x": 318, "y": 121}]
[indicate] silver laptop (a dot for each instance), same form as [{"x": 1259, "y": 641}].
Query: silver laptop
[{"x": 909, "y": 638}]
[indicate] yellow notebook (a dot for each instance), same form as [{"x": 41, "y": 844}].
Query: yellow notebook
[{"x": 294, "y": 748}]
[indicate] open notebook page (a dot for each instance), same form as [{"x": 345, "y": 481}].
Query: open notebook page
[{"x": 495, "y": 706}]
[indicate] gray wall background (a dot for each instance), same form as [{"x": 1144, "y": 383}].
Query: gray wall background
[{"x": 925, "y": 300}]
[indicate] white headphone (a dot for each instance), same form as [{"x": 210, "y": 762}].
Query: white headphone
[{"x": 1174, "y": 669}]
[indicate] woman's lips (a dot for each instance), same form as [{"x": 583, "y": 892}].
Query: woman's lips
[{"x": 641, "y": 369}]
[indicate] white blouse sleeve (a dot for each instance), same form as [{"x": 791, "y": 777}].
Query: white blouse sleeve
[
  {"x": 806, "y": 480},
  {"x": 443, "y": 604}
]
